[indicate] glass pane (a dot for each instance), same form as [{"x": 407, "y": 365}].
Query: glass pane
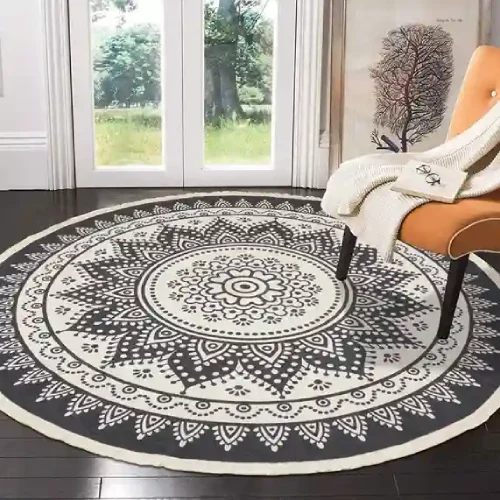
[
  {"x": 126, "y": 44},
  {"x": 239, "y": 39}
]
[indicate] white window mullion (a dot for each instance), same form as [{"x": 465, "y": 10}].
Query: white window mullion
[
  {"x": 284, "y": 89},
  {"x": 82, "y": 78},
  {"x": 172, "y": 93},
  {"x": 193, "y": 52}
]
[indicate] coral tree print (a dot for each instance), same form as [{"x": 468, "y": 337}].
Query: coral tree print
[
  {"x": 412, "y": 83},
  {"x": 404, "y": 65}
]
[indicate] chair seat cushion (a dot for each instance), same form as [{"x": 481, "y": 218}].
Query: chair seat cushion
[{"x": 457, "y": 229}]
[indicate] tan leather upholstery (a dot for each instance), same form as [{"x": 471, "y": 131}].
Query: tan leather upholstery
[{"x": 473, "y": 224}]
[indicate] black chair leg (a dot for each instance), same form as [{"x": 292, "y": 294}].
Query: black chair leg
[
  {"x": 453, "y": 286},
  {"x": 348, "y": 244}
]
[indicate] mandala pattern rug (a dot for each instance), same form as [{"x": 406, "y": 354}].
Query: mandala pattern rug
[{"x": 208, "y": 333}]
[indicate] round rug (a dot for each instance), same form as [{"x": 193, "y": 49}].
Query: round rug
[{"x": 208, "y": 333}]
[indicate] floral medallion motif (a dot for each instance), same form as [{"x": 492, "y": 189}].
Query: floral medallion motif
[
  {"x": 212, "y": 328},
  {"x": 244, "y": 289}
]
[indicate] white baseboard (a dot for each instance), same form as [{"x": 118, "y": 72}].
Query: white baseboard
[{"x": 24, "y": 161}]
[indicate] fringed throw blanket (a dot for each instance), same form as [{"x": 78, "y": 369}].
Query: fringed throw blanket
[{"x": 359, "y": 192}]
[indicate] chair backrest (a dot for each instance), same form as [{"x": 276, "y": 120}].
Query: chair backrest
[{"x": 480, "y": 89}]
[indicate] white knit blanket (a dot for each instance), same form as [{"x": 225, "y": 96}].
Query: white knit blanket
[{"x": 359, "y": 192}]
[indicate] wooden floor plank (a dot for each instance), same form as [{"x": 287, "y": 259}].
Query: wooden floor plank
[
  {"x": 476, "y": 450},
  {"x": 466, "y": 496},
  {"x": 172, "y": 488},
  {"x": 11, "y": 429},
  {"x": 479, "y": 461},
  {"x": 264, "y": 487},
  {"x": 50, "y": 489},
  {"x": 458, "y": 482},
  {"x": 80, "y": 467},
  {"x": 41, "y": 448},
  {"x": 493, "y": 424}
]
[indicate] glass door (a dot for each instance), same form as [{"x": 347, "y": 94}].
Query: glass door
[
  {"x": 239, "y": 92},
  {"x": 126, "y": 58},
  {"x": 183, "y": 92}
]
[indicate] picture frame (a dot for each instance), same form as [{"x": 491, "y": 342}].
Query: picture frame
[{"x": 358, "y": 59}]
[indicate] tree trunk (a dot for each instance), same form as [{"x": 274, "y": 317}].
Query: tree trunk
[
  {"x": 223, "y": 100},
  {"x": 229, "y": 99},
  {"x": 213, "y": 99},
  {"x": 404, "y": 142},
  {"x": 404, "y": 132}
]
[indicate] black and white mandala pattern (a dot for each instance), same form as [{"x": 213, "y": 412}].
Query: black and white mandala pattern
[{"x": 208, "y": 332}]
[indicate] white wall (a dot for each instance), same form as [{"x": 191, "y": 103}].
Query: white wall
[
  {"x": 23, "y": 106},
  {"x": 495, "y": 23}
]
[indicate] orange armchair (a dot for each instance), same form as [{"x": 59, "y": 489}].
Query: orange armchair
[{"x": 469, "y": 225}]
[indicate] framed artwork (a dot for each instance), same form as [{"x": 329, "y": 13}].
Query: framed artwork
[{"x": 401, "y": 64}]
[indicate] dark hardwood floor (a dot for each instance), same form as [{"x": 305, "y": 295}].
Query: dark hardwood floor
[{"x": 31, "y": 466}]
